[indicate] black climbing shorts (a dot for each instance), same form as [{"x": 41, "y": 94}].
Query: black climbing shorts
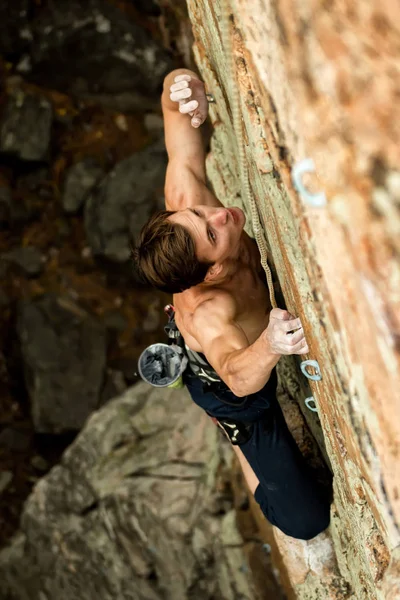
[{"x": 288, "y": 493}]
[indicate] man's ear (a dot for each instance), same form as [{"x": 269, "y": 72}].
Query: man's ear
[{"x": 213, "y": 272}]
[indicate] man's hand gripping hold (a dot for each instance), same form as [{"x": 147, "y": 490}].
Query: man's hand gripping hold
[
  {"x": 189, "y": 92},
  {"x": 285, "y": 333}
]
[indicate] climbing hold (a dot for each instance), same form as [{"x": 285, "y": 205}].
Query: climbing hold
[
  {"x": 210, "y": 98},
  {"x": 306, "y": 166},
  {"x": 266, "y": 548},
  {"x": 308, "y": 402},
  {"x": 311, "y": 363}
]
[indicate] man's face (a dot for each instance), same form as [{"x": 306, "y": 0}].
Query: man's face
[{"x": 216, "y": 231}]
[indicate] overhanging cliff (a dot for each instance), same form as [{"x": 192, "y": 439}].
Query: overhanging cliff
[{"x": 322, "y": 82}]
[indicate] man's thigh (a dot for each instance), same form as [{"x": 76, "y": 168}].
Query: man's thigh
[{"x": 289, "y": 494}]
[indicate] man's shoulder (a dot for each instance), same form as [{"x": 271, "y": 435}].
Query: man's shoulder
[
  {"x": 220, "y": 305},
  {"x": 202, "y": 312}
]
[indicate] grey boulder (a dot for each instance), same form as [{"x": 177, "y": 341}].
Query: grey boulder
[
  {"x": 28, "y": 258},
  {"x": 79, "y": 181},
  {"x": 26, "y": 126},
  {"x": 135, "y": 511},
  {"x": 64, "y": 354},
  {"x": 119, "y": 207},
  {"x": 92, "y": 48}
]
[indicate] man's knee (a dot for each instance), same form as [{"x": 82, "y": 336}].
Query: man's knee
[
  {"x": 308, "y": 531},
  {"x": 302, "y": 525}
]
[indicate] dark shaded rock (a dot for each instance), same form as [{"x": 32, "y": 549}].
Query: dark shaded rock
[
  {"x": 4, "y": 299},
  {"x": 64, "y": 354},
  {"x": 13, "y": 439},
  {"x": 115, "y": 385},
  {"x": 130, "y": 513},
  {"x": 40, "y": 463},
  {"x": 80, "y": 179},
  {"x": 26, "y": 126},
  {"x": 15, "y": 34},
  {"x": 90, "y": 47},
  {"x": 28, "y": 258},
  {"x": 5, "y": 205},
  {"x": 118, "y": 208},
  {"x": 6, "y": 478},
  {"x": 115, "y": 321},
  {"x": 154, "y": 124},
  {"x": 3, "y": 268},
  {"x": 35, "y": 181},
  {"x": 129, "y": 368},
  {"x": 147, "y": 7}
]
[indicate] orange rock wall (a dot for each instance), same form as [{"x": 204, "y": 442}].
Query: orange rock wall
[{"x": 322, "y": 81}]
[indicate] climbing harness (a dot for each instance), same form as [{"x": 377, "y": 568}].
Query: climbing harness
[
  {"x": 311, "y": 363},
  {"x": 309, "y": 401},
  {"x": 237, "y": 125},
  {"x": 307, "y": 166}
]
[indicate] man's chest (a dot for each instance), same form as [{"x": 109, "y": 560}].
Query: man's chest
[{"x": 251, "y": 295}]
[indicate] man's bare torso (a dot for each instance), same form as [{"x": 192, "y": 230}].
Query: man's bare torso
[{"x": 248, "y": 290}]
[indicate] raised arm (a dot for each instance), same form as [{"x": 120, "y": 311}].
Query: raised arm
[
  {"x": 185, "y": 108},
  {"x": 244, "y": 367}
]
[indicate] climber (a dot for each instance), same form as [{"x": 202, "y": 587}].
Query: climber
[{"x": 197, "y": 250}]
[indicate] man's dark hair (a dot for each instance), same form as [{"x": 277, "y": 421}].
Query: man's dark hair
[{"x": 165, "y": 256}]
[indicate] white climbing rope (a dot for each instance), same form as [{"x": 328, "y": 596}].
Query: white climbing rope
[{"x": 237, "y": 124}]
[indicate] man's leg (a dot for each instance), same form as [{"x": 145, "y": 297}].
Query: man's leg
[
  {"x": 287, "y": 492},
  {"x": 249, "y": 475}
]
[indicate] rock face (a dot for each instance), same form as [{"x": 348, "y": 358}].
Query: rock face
[
  {"x": 119, "y": 207},
  {"x": 64, "y": 352},
  {"x": 312, "y": 87},
  {"x": 28, "y": 258},
  {"x": 26, "y": 126},
  {"x": 132, "y": 512},
  {"x": 79, "y": 181},
  {"x": 88, "y": 48},
  {"x": 14, "y": 27}
]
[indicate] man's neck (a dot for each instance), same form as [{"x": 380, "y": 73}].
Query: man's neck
[{"x": 232, "y": 265}]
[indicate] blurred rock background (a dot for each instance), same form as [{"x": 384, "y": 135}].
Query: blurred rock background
[{"x": 82, "y": 166}]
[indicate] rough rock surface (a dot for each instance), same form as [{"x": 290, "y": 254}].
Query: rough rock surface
[
  {"x": 14, "y": 27},
  {"x": 92, "y": 48},
  {"x": 5, "y": 205},
  {"x": 79, "y": 181},
  {"x": 134, "y": 511},
  {"x": 64, "y": 351},
  {"x": 26, "y": 126},
  {"x": 28, "y": 258},
  {"x": 118, "y": 208},
  {"x": 322, "y": 82}
]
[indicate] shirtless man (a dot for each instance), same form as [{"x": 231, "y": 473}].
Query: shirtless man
[{"x": 198, "y": 250}]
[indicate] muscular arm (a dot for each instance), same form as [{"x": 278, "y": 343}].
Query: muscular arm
[
  {"x": 185, "y": 183},
  {"x": 244, "y": 367}
]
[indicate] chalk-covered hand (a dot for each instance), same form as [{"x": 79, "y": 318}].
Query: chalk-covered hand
[
  {"x": 285, "y": 333},
  {"x": 189, "y": 92}
]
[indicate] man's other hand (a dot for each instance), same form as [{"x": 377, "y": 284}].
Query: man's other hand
[
  {"x": 285, "y": 333},
  {"x": 189, "y": 92}
]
